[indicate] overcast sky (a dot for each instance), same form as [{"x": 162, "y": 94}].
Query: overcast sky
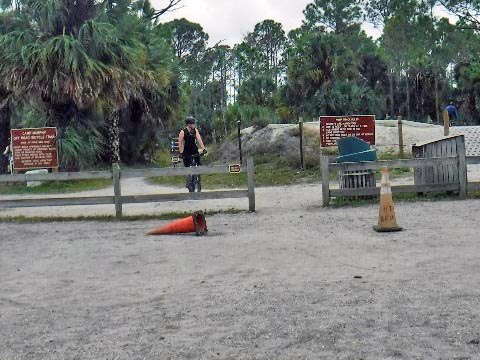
[{"x": 230, "y": 20}]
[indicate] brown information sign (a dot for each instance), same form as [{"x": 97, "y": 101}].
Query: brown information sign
[
  {"x": 34, "y": 148},
  {"x": 333, "y": 128},
  {"x": 234, "y": 169}
]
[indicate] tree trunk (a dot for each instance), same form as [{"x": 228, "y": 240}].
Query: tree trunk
[
  {"x": 234, "y": 88},
  {"x": 417, "y": 101},
  {"x": 114, "y": 136},
  {"x": 240, "y": 75},
  {"x": 392, "y": 97},
  {"x": 223, "y": 99},
  {"x": 437, "y": 102},
  {"x": 407, "y": 88}
]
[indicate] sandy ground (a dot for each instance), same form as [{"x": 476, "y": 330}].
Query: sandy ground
[{"x": 278, "y": 284}]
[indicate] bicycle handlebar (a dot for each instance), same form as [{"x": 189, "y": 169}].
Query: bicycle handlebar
[{"x": 192, "y": 156}]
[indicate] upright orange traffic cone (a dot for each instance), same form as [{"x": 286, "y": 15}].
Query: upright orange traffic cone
[
  {"x": 195, "y": 223},
  {"x": 387, "y": 221}
]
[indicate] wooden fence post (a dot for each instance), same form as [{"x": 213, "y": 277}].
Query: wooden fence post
[
  {"x": 446, "y": 123},
  {"x": 117, "y": 190},
  {"x": 251, "y": 183},
  {"x": 302, "y": 156},
  {"x": 462, "y": 166},
  {"x": 325, "y": 180},
  {"x": 400, "y": 138}
]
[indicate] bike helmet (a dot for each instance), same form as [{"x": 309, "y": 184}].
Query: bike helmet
[{"x": 190, "y": 120}]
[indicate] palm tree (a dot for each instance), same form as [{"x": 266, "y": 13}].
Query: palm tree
[{"x": 68, "y": 57}]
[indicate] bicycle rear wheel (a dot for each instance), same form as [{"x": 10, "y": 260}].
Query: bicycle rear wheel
[
  {"x": 190, "y": 184},
  {"x": 199, "y": 184}
]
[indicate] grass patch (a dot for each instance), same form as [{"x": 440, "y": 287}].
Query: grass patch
[
  {"x": 56, "y": 187},
  {"x": 265, "y": 176},
  {"x": 400, "y": 172},
  {"x": 393, "y": 155},
  {"x": 112, "y": 218},
  {"x": 163, "y": 158},
  {"x": 474, "y": 195}
]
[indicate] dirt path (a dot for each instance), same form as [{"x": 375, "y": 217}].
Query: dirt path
[{"x": 278, "y": 284}]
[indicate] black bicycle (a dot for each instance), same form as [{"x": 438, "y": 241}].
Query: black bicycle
[{"x": 194, "y": 181}]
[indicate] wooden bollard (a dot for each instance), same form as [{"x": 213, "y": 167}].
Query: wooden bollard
[{"x": 446, "y": 123}]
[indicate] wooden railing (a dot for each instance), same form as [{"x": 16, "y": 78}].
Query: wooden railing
[
  {"x": 118, "y": 199},
  {"x": 461, "y": 185}
]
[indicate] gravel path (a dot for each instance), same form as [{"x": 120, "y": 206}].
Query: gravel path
[{"x": 279, "y": 284}]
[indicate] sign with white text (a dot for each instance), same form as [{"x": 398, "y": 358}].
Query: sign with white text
[
  {"x": 34, "y": 148},
  {"x": 234, "y": 169},
  {"x": 333, "y": 128}
]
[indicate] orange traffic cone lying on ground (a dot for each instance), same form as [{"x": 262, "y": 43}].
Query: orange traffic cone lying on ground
[
  {"x": 387, "y": 221},
  {"x": 195, "y": 223}
]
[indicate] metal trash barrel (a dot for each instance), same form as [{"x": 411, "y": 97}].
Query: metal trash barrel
[{"x": 353, "y": 150}]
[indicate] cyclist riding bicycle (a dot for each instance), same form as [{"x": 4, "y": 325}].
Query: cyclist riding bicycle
[{"x": 187, "y": 143}]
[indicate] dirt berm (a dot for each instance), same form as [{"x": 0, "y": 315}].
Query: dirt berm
[{"x": 282, "y": 141}]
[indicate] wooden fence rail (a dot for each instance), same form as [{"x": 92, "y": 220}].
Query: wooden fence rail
[
  {"x": 118, "y": 199},
  {"x": 56, "y": 176},
  {"x": 394, "y": 164}
]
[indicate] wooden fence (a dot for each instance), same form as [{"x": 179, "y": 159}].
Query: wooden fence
[
  {"x": 118, "y": 199},
  {"x": 459, "y": 162}
]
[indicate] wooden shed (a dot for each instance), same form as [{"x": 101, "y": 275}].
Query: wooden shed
[{"x": 451, "y": 146}]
